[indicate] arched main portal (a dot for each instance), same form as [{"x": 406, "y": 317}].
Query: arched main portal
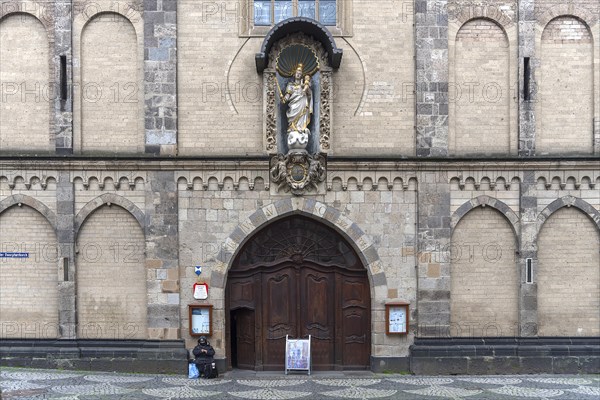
[{"x": 298, "y": 277}]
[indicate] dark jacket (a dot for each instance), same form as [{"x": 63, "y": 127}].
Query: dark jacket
[{"x": 201, "y": 357}]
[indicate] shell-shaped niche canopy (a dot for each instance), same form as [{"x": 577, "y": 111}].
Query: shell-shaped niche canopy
[{"x": 294, "y": 56}]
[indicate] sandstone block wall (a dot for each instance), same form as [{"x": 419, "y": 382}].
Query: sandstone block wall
[
  {"x": 25, "y": 85},
  {"x": 111, "y": 276},
  {"x": 29, "y": 300},
  {"x": 569, "y": 275},
  {"x": 485, "y": 280}
]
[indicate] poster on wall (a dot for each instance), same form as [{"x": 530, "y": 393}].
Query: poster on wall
[
  {"x": 397, "y": 318},
  {"x": 200, "y": 291},
  {"x": 200, "y": 320},
  {"x": 297, "y": 355}
]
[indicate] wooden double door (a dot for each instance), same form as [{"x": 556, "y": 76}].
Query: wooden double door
[{"x": 268, "y": 302}]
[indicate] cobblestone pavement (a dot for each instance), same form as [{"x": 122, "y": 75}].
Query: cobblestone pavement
[{"x": 19, "y": 383}]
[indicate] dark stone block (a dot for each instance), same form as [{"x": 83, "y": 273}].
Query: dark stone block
[
  {"x": 170, "y": 18},
  {"x": 484, "y": 351},
  {"x": 64, "y": 151},
  {"x": 150, "y": 5},
  {"x": 152, "y": 149},
  {"x": 559, "y": 351},
  {"x": 169, "y": 5},
  {"x": 390, "y": 364},
  {"x": 224, "y": 256},
  {"x": 443, "y": 109},
  {"x": 589, "y": 365},
  {"x": 565, "y": 365},
  {"x": 331, "y": 214},
  {"x": 434, "y": 295},
  {"x": 354, "y": 232},
  {"x": 481, "y": 366},
  {"x": 529, "y": 303},
  {"x": 283, "y": 207},
  {"x": 449, "y": 366},
  {"x": 237, "y": 235},
  {"x": 432, "y": 307},
  {"x": 536, "y": 365},
  {"x": 506, "y": 365},
  {"x": 379, "y": 279},
  {"x": 163, "y": 316},
  {"x": 433, "y": 222},
  {"x": 535, "y": 351},
  {"x": 217, "y": 279},
  {"x": 370, "y": 254},
  {"x": 528, "y": 202},
  {"x": 309, "y": 205},
  {"x": 440, "y": 44},
  {"x": 424, "y": 109},
  {"x": 258, "y": 218},
  {"x": 154, "y": 17},
  {"x": 504, "y": 351}
]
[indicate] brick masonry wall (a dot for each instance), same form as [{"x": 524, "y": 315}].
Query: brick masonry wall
[
  {"x": 481, "y": 90},
  {"x": 24, "y": 83},
  {"x": 208, "y": 46},
  {"x": 484, "y": 276},
  {"x": 28, "y": 286},
  {"x": 110, "y": 118},
  {"x": 220, "y": 93},
  {"x": 569, "y": 275},
  {"x": 373, "y": 105},
  {"x": 111, "y": 276},
  {"x": 566, "y": 90}
]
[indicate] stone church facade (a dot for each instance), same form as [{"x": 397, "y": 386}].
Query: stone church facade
[{"x": 452, "y": 166}]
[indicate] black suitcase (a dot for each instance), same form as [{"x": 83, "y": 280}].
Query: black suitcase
[{"x": 210, "y": 371}]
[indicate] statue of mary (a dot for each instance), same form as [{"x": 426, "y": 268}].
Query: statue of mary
[{"x": 299, "y": 98}]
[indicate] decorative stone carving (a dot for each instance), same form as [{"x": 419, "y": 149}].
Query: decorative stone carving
[
  {"x": 298, "y": 171},
  {"x": 296, "y": 60},
  {"x": 270, "y": 114},
  {"x": 325, "y": 120}
]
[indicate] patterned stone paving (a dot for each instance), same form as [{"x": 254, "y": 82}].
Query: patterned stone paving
[{"x": 19, "y": 383}]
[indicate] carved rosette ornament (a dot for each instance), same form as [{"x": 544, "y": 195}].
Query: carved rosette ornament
[{"x": 298, "y": 94}]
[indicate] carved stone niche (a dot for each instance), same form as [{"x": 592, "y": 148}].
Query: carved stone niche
[{"x": 297, "y": 59}]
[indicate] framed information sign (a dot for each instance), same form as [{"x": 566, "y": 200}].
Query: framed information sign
[
  {"x": 297, "y": 354},
  {"x": 200, "y": 319},
  {"x": 396, "y": 316}
]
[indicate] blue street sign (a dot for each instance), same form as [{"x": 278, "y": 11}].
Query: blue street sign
[
  {"x": 9, "y": 254},
  {"x": 198, "y": 270}
]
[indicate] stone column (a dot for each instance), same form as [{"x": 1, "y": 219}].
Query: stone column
[
  {"x": 65, "y": 232},
  {"x": 162, "y": 250},
  {"x": 431, "y": 21},
  {"x": 528, "y": 249},
  {"x": 433, "y": 257},
  {"x": 63, "y": 108},
  {"x": 160, "y": 76},
  {"x": 528, "y": 100}
]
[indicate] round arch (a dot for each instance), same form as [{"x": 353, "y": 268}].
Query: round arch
[
  {"x": 299, "y": 24},
  {"x": 19, "y": 199},
  {"x": 567, "y": 201},
  {"x": 40, "y": 12},
  {"x": 485, "y": 201},
  {"x": 349, "y": 230},
  {"x": 108, "y": 198},
  {"x": 297, "y": 274}
]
